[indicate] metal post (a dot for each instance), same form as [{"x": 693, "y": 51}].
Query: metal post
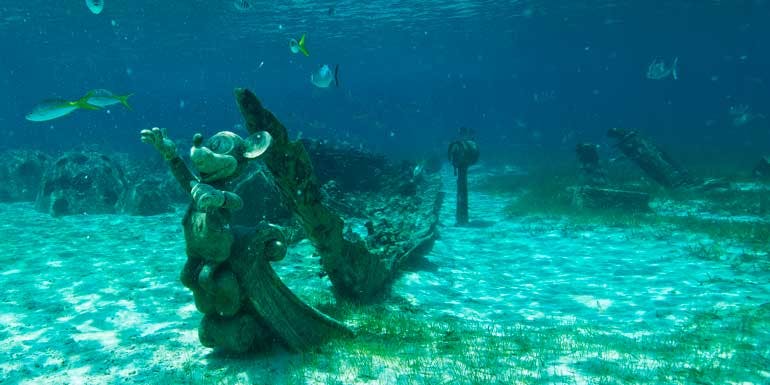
[
  {"x": 463, "y": 154},
  {"x": 462, "y": 196}
]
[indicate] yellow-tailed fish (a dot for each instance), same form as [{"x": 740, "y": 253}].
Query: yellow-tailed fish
[
  {"x": 297, "y": 47},
  {"x": 56, "y": 108},
  {"x": 104, "y": 98}
]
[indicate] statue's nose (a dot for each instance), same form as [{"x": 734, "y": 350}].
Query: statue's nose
[{"x": 208, "y": 161}]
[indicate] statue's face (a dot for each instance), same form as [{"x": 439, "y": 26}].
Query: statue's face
[
  {"x": 219, "y": 157},
  {"x": 224, "y": 154}
]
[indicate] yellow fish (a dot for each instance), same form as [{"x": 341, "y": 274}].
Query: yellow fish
[
  {"x": 56, "y": 108},
  {"x": 104, "y": 98},
  {"x": 297, "y": 47}
]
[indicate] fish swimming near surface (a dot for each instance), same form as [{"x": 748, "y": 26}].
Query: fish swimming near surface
[
  {"x": 741, "y": 115},
  {"x": 103, "y": 98},
  {"x": 243, "y": 5},
  {"x": 56, "y": 108},
  {"x": 324, "y": 76},
  {"x": 95, "y": 6},
  {"x": 298, "y": 46}
]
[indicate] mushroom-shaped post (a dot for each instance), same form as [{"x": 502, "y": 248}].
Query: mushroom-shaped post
[{"x": 463, "y": 154}]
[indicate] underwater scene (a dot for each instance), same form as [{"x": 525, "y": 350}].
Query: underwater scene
[{"x": 385, "y": 192}]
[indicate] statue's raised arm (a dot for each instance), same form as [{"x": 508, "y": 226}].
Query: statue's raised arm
[{"x": 158, "y": 138}]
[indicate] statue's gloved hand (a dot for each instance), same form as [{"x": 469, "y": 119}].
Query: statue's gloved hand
[
  {"x": 206, "y": 196},
  {"x": 158, "y": 138}
]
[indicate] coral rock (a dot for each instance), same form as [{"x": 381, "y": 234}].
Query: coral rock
[
  {"x": 21, "y": 172},
  {"x": 81, "y": 182}
]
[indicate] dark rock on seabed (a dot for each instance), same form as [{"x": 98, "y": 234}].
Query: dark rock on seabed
[
  {"x": 81, "y": 182},
  {"x": 20, "y": 173},
  {"x": 146, "y": 198}
]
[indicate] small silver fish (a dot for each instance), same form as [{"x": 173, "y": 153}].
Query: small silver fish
[
  {"x": 95, "y": 6},
  {"x": 418, "y": 169},
  {"x": 658, "y": 69},
  {"x": 742, "y": 115},
  {"x": 324, "y": 76}
]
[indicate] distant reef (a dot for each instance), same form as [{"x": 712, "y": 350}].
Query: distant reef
[
  {"x": 20, "y": 173},
  {"x": 81, "y": 182},
  {"x": 91, "y": 181},
  {"x": 84, "y": 182}
]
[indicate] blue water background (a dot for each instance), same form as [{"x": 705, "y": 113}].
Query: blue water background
[{"x": 532, "y": 78}]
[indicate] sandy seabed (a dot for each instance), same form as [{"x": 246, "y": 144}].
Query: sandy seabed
[{"x": 95, "y": 299}]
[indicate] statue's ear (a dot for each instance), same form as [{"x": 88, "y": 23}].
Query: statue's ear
[{"x": 256, "y": 144}]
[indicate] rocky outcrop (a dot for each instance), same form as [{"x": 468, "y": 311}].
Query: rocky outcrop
[
  {"x": 21, "y": 172},
  {"x": 81, "y": 182},
  {"x": 147, "y": 197}
]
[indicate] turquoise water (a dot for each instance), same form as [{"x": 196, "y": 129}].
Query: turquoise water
[{"x": 533, "y": 291}]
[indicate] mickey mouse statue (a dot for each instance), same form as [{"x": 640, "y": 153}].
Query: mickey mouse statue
[{"x": 229, "y": 323}]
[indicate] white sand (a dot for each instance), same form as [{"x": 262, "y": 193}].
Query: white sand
[
  {"x": 96, "y": 299},
  {"x": 629, "y": 278}
]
